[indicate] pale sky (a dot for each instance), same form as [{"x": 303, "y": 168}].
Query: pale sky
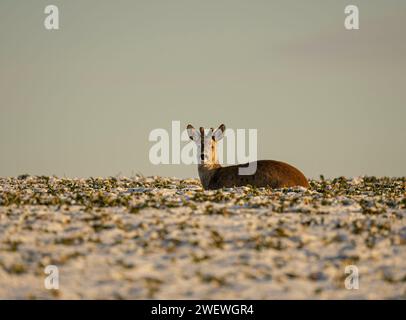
[{"x": 82, "y": 100}]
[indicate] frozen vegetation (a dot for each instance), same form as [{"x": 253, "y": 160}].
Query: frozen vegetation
[{"x": 136, "y": 238}]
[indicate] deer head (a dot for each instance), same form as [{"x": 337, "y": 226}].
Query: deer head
[{"x": 206, "y": 143}]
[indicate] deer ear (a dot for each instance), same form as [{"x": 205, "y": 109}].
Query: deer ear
[
  {"x": 193, "y": 134},
  {"x": 218, "y": 134}
]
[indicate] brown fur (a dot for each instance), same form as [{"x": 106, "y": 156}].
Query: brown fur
[{"x": 270, "y": 173}]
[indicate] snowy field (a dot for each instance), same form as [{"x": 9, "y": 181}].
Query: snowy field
[{"x": 136, "y": 238}]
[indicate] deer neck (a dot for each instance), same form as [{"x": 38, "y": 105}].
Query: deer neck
[
  {"x": 208, "y": 167},
  {"x": 206, "y": 172}
]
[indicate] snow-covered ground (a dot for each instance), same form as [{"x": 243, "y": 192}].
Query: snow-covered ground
[{"x": 134, "y": 238}]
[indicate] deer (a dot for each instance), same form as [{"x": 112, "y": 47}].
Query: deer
[{"x": 269, "y": 173}]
